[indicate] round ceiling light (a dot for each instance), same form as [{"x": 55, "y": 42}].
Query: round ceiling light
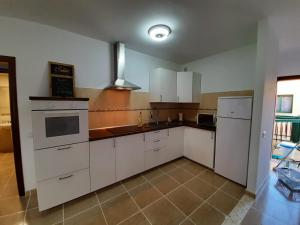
[{"x": 159, "y": 32}]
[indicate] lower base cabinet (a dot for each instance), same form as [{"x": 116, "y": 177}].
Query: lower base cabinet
[
  {"x": 199, "y": 146},
  {"x": 129, "y": 156},
  {"x": 175, "y": 146},
  {"x": 102, "y": 163},
  {"x": 55, "y": 191},
  {"x": 115, "y": 159}
]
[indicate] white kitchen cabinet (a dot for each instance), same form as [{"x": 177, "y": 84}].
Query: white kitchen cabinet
[
  {"x": 52, "y": 162},
  {"x": 102, "y": 163},
  {"x": 199, "y": 146},
  {"x": 188, "y": 87},
  {"x": 163, "y": 85},
  {"x": 155, "y": 148},
  {"x": 174, "y": 147},
  {"x": 58, "y": 190},
  {"x": 129, "y": 155}
]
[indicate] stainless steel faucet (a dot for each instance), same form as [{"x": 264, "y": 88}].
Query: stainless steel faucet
[{"x": 156, "y": 118}]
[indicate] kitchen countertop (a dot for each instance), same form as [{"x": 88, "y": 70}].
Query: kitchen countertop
[{"x": 104, "y": 133}]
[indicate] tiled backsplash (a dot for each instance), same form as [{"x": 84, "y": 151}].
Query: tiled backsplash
[{"x": 118, "y": 108}]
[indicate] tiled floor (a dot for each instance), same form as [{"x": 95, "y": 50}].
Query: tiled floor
[
  {"x": 180, "y": 192},
  {"x": 271, "y": 207},
  {"x": 8, "y": 184}
]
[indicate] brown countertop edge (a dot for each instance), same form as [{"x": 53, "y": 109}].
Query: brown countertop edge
[
  {"x": 105, "y": 133},
  {"x": 39, "y": 98}
]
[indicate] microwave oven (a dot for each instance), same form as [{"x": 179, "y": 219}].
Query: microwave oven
[{"x": 206, "y": 119}]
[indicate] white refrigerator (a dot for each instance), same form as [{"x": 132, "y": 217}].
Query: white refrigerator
[{"x": 233, "y": 137}]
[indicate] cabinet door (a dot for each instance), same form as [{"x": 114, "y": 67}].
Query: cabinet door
[
  {"x": 102, "y": 163},
  {"x": 174, "y": 144},
  {"x": 168, "y": 85},
  {"x": 154, "y": 86},
  {"x": 199, "y": 146},
  {"x": 163, "y": 85},
  {"x": 129, "y": 156},
  {"x": 184, "y": 86}
]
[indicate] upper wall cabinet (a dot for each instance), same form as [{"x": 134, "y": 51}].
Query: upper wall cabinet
[
  {"x": 163, "y": 85},
  {"x": 170, "y": 86},
  {"x": 188, "y": 87}
]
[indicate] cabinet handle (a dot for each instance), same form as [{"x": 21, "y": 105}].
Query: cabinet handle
[
  {"x": 168, "y": 132},
  {"x": 160, "y": 98},
  {"x": 157, "y": 141},
  {"x": 156, "y": 149},
  {"x": 65, "y": 148},
  {"x": 157, "y": 131},
  {"x": 63, "y": 178},
  {"x": 114, "y": 142},
  {"x": 144, "y": 137},
  {"x": 177, "y": 98}
]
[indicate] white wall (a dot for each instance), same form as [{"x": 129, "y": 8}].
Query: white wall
[
  {"x": 263, "y": 106},
  {"x": 229, "y": 71},
  {"x": 34, "y": 45},
  {"x": 289, "y": 62}
]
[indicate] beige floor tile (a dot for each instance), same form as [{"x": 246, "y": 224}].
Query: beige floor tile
[
  {"x": 80, "y": 204},
  {"x": 50, "y": 216},
  {"x": 153, "y": 173},
  {"x": 200, "y": 188},
  {"x": 181, "y": 161},
  {"x": 168, "y": 167},
  {"x": 15, "y": 219},
  {"x": 207, "y": 215},
  {"x": 194, "y": 168},
  {"x": 165, "y": 184},
  {"x": 254, "y": 217},
  {"x": 223, "y": 202},
  {"x": 187, "y": 222},
  {"x": 212, "y": 178},
  {"x": 133, "y": 182},
  {"x": 119, "y": 208},
  {"x": 13, "y": 205},
  {"x": 180, "y": 175},
  {"x": 10, "y": 190},
  {"x": 137, "y": 219},
  {"x": 111, "y": 191},
  {"x": 92, "y": 216},
  {"x": 234, "y": 189},
  {"x": 163, "y": 212},
  {"x": 185, "y": 200},
  {"x": 33, "y": 202},
  {"x": 145, "y": 194}
]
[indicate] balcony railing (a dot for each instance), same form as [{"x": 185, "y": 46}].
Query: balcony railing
[{"x": 287, "y": 128}]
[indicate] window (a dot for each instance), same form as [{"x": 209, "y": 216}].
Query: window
[{"x": 284, "y": 104}]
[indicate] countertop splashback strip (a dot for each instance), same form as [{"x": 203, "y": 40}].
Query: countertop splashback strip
[{"x": 120, "y": 108}]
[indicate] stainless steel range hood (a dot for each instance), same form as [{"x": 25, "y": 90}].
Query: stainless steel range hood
[{"x": 120, "y": 83}]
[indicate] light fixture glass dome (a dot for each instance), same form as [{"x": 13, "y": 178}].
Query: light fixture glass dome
[{"x": 159, "y": 32}]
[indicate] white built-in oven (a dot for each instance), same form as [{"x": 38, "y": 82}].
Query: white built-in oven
[{"x": 59, "y": 123}]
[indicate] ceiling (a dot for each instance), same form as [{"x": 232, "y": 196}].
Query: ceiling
[{"x": 199, "y": 27}]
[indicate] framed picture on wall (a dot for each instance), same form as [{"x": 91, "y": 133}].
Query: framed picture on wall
[
  {"x": 284, "y": 103},
  {"x": 61, "y": 79}
]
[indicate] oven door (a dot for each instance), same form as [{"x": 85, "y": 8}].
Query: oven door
[{"x": 54, "y": 128}]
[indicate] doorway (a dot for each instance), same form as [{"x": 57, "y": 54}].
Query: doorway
[
  {"x": 11, "y": 172},
  {"x": 286, "y": 133}
]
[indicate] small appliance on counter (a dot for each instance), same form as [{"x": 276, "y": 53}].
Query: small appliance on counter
[
  {"x": 205, "y": 119},
  {"x": 180, "y": 115}
]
